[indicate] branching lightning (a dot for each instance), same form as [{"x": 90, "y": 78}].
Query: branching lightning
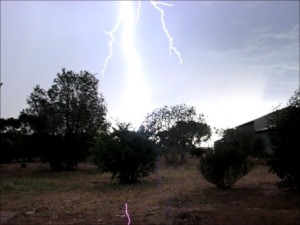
[
  {"x": 163, "y": 23},
  {"x": 135, "y": 92},
  {"x": 156, "y": 5},
  {"x": 110, "y": 43}
]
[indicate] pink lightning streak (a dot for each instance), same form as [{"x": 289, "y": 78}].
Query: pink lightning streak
[{"x": 127, "y": 214}]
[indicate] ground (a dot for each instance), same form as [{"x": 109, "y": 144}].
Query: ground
[{"x": 35, "y": 195}]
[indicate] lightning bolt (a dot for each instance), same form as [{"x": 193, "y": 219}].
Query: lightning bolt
[
  {"x": 111, "y": 34},
  {"x": 135, "y": 93},
  {"x": 163, "y": 23},
  {"x": 127, "y": 214},
  {"x": 156, "y": 5}
]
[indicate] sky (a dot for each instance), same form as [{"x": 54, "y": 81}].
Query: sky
[{"x": 240, "y": 59}]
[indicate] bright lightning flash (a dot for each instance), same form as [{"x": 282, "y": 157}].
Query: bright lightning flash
[{"x": 136, "y": 97}]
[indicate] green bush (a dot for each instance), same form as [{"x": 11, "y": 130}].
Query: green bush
[
  {"x": 284, "y": 130},
  {"x": 224, "y": 168},
  {"x": 228, "y": 162},
  {"x": 128, "y": 155}
]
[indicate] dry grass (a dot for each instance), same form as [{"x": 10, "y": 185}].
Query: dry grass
[{"x": 171, "y": 196}]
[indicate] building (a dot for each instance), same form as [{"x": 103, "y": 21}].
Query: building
[{"x": 258, "y": 127}]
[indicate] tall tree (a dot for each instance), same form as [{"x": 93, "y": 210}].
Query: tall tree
[
  {"x": 176, "y": 129},
  {"x": 71, "y": 109},
  {"x": 164, "y": 118},
  {"x": 77, "y": 103},
  {"x": 38, "y": 114}
]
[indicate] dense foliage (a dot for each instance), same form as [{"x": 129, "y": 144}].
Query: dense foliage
[
  {"x": 228, "y": 162},
  {"x": 14, "y": 143},
  {"x": 66, "y": 118},
  {"x": 246, "y": 142},
  {"x": 128, "y": 155},
  {"x": 71, "y": 105},
  {"x": 178, "y": 130},
  {"x": 284, "y": 130}
]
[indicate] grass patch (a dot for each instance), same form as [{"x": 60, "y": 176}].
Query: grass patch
[
  {"x": 29, "y": 186},
  {"x": 170, "y": 196}
]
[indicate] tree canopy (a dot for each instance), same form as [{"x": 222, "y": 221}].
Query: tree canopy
[
  {"x": 176, "y": 129},
  {"x": 70, "y": 111},
  {"x": 71, "y": 105}
]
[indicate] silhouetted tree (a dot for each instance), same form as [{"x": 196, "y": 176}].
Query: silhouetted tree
[
  {"x": 71, "y": 111},
  {"x": 16, "y": 143},
  {"x": 8, "y": 137},
  {"x": 284, "y": 130},
  {"x": 177, "y": 130}
]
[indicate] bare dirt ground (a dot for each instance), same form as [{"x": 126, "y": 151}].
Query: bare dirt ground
[{"x": 35, "y": 195}]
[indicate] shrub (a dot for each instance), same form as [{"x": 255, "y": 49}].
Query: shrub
[
  {"x": 227, "y": 163},
  {"x": 223, "y": 168},
  {"x": 126, "y": 154},
  {"x": 284, "y": 129}
]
